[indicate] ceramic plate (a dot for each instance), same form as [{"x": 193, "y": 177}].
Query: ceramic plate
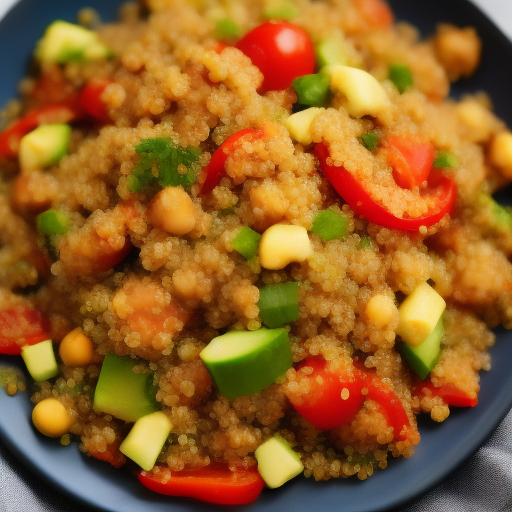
[{"x": 443, "y": 447}]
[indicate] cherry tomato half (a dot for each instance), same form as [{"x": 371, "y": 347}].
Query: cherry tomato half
[{"x": 281, "y": 50}]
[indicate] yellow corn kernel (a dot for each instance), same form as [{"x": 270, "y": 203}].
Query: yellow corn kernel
[
  {"x": 299, "y": 124},
  {"x": 381, "y": 310},
  {"x": 365, "y": 95},
  {"x": 282, "y": 244},
  {"x": 51, "y": 418},
  {"x": 500, "y": 153},
  {"x": 419, "y": 314},
  {"x": 173, "y": 211},
  {"x": 76, "y": 349}
]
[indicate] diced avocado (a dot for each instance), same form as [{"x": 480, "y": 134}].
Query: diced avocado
[
  {"x": 299, "y": 124},
  {"x": 44, "y": 146},
  {"x": 66, "y": 42},
  {"x": 277, "y": 462},
  {"x": 246, "y": 362},
  {"x": 419, "y": 314},
  {"x": 122, "y": 392},
  {"x": 330, "y": 51},
  {"x": 422, "y": 358},
  {"x": 279, "y": 304},
  {"x": 146, "y": 439},
  {"x": 40, "y": 360}
]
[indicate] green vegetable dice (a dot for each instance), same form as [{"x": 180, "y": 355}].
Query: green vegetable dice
[
  {"x": 330, "y": 225},
  {"x": 279, "y": 304},
  {"x": 246, "y": 242},
  {"x": 401, "y": 76}
]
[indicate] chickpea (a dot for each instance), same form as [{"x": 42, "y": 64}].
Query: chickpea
[
  {"x": 381, "y": 310},
  {"x": 76, "y": 349},
  {"x": 173, "y": 211},
  {"x": 500, "y": 153},
  {"x": 51, "y": 418}
]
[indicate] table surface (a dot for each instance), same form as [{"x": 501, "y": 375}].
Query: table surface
[{"x": 483, "y": 484}]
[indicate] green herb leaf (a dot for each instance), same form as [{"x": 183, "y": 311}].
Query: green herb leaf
[{"x": 164, "y": 162}]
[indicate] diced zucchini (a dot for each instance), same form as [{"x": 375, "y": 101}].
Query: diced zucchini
[
  {"x": 246, "y": 242},
  {"x": 66, "y": 42},
  {"x": 246, "y": 362},
  {"x": 419, "y": 314},
  {"x": 146, "y": 439},
  {"x": 422, "y": 358},
  {"x": 330, "y": 51},
  {"x": 330, "y": 225},
  {"x": 364, "y": 94},
  {"x": 123, "y": 393},
  {"x": 44, "y": 146},
  {"x": 277, "y": 462},
  {"x": 40, "y": 360},
  {"x": 299, "y": 124},
  {"x": 280, "y": 9},
  {"x": 279, "y": 304}
]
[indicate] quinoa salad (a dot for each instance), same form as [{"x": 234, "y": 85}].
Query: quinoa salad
[{"x": 248, "y": 240}]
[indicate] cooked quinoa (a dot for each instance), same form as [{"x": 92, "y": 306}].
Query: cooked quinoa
[{"x": 151, "y": 272}]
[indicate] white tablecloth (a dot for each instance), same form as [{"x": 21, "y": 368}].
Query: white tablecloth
[{"x": 482, "y": 484}]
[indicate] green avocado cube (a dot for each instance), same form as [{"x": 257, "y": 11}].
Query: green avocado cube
[
  {"x": 122, "y": 392},
  {"x": 146, "y": 439},
  {"x": 422, "y": 358},
  {"x": 246, "y": 362},
  {"x": 66, "y": 42},
  {"x": 40, "y": 360},
  {"x": 277, "y": 462},
  {"x": 44, "y": 146}
]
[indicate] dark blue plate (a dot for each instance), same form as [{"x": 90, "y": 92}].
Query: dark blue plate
[{"x": 443, "y": 447}]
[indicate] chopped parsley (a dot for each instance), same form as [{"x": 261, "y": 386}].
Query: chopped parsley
[{"x": 165, "y": 163}]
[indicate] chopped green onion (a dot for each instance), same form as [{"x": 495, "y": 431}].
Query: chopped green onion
[
  {"x": 330, "y": 225},
  {"x": 52, "y": 222},
  {"x": 445, "y": 159},
  {"x": 312, "y": 90},
  {"x": 226, "y": 29},
  {"x": 370, "y": 140},
  {"x": 366, "y": 243},
  {"x": 279, "y": 304},
  {"x": 284, "y": 10},
  {"x": 246, "y": 242},
  {"x": 401, "y": 76},
  {"x": 174, "y": 165}
]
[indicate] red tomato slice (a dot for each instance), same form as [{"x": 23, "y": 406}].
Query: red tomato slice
[
  {"x": 90, "y": 100},
  {"x": 411, "y": 161},
  {"x": 216, "y": 483},
  {"x": 215, "y": 168},
  {"x": 281, "y": 50},
  {"x": 333, "y": 400},
  {"x": 19, "y": 326},
  {"x": 442, "y": 189}
]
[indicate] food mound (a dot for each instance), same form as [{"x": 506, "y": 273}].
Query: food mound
[{"x": 247, "y": 240}]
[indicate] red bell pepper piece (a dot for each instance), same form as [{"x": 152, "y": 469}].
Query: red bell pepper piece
[
  {"x": 215, "y": 168},
  {"x": 441, "y": 189},
  {"x": 215, "y": 483},
  {"x": 449, "y": 392},
  {"x": 90, "y": 100},
  {"x": 411, "y": 161},
  {"x": 112, "y": 455},
  {"x": 50, "y": 113},
  {"x": 333, "y": 399},
  {"x": 20, "y": 326},
  {"x": 375, "y": 12}
]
